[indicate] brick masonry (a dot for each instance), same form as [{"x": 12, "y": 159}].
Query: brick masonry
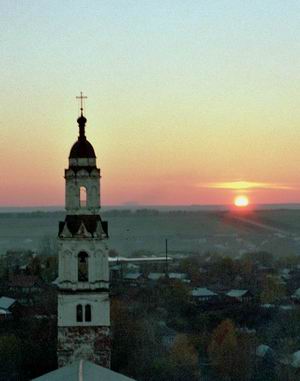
[{"x": 88, "y": 343}]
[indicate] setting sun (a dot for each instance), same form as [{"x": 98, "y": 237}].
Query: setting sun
[{"x": 241, "y": 201}]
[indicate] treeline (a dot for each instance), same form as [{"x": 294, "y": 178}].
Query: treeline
[
  {"x": 111, "y": 213},
  {"x": 36, "y": 214}
]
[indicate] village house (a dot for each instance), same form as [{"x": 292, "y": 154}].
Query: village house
[
  {"x": 240, "y": 295},
  {"x": 134, "y": 279},
  {"x": 8, "y": 307},
  {"x": 204, "y": 295}
]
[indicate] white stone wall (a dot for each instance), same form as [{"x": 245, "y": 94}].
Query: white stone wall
[
  {"x": 98, "y": 267},
  {"x": 99, "y": 303},
  {"x": 88, "y": 340},
  {"x": 91, "y": 182}
]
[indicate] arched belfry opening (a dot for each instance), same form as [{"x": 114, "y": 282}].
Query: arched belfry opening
[
  {"x": 83, "y": 267},
  {"x": 83, "y": 197}
]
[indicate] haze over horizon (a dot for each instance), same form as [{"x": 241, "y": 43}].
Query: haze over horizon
[
  {"x": 188, "y": 102},
  {"x": 189, "y": 208}
]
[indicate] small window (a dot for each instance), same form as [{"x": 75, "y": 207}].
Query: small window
[
  {"x": 83, "y": 268},
  {"x": 79, "y": 314},
  {"x": 83, "y": 197},
  {"x": 88, "y": 313}
]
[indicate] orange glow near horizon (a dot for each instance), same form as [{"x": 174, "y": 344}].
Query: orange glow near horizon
[{"x": 197, "y": 125}]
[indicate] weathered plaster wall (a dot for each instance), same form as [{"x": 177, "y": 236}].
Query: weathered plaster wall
[
  {"x": 89, "y": 343},
  {"x": 100, "y": 309},
  {"x": 97, "y": 264}
]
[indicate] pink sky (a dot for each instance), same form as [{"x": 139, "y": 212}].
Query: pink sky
[{"x": 181, "y": 96}]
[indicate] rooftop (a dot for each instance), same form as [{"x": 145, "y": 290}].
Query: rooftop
[
  {"x": 156, "y": 276},
  {"x": 83, "y": 371},
  {"x": 237, "y": 293},
  {"x": 132, "y": 276},
  {"x": 6, "y": 302},
  {"x": 203, "y": 292}
]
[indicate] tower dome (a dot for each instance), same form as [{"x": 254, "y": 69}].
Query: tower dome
[{"x": 82, "y": 148}]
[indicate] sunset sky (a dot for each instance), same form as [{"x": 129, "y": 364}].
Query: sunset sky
[{"x": 189, "y": 102}]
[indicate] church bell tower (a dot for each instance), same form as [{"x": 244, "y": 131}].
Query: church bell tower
[{"x": 83, "y": 279}]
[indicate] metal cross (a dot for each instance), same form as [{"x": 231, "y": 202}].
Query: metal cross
[{"x": 81, "y": 97}]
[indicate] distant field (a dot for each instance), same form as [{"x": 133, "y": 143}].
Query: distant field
[{"x": 186, "y": 231}]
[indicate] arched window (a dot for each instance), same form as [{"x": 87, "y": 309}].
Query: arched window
[
  {"x": 79, "y": 313},
  {"x": 88, "y": 313},
  {"x": 83, "y": 267},
  {"x": 83, "y": 197}
]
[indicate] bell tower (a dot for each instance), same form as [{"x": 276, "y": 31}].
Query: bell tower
[{"x": 83, "y": 276}]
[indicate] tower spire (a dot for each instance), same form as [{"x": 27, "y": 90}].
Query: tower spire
[
  {"x": 81, "y": 120},
  {"x": 81, "y": 97}
]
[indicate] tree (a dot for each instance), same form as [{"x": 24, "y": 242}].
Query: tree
[
  {"x": 190, "y": 265},
  {"x": 50, "y": 271},
  {"x": 223, "y": 348},
  {"x": 245, "y": 359},
  {"x": 34, "y": 267},
  {"x": 10, "y": 357},
  {"x": 146, "y": 347},
  {"x": 136, "y": 340},
  {"x": 263, "y": 257},
  {"x": 232, "y": 352},
  {"x": 38, "y": 347},
  {"x": 180, "y": 364},
  {"x": 184, "y": 359},
  {"x": 48, "y": 246},
  {"x": 224, "y": 270},
  {"x": 123, "y": 331},
  {"x": 174, "y": 296},
  {"x": 273, "y": 290}
]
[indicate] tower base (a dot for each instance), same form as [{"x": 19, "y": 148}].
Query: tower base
[{"x": 86, "y": 343}]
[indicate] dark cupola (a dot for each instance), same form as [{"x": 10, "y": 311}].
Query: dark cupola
[{"x": 82, "y": 148}]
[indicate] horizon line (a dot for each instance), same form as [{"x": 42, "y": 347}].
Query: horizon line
[{"x": 133, "y": 205}]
